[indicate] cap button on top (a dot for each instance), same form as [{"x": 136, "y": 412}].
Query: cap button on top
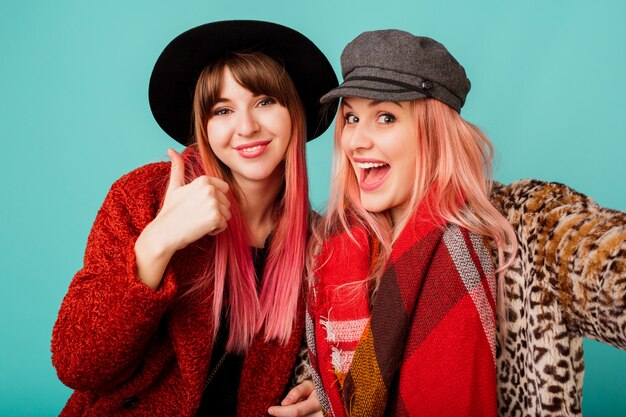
[{"x": 427, "y": 85}]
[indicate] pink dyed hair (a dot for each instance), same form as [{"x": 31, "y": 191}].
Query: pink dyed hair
[
  {"x": 453, "y": 165},
  {"x": 232, "y": 271}
]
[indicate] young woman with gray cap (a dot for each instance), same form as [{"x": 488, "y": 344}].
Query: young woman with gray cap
[
  {"x": 189, "y": 300},
  {"x": 402, "y": 318}
]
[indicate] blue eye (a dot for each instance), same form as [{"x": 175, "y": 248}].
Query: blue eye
[
  {"x": 386, "y": 118},
  {"x": 351, "y": 118}
]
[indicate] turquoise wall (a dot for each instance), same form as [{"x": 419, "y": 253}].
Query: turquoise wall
[{"x": 548, "y": 89}]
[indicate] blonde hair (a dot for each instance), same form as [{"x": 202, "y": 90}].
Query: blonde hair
[{"x": 453, "y": 167}]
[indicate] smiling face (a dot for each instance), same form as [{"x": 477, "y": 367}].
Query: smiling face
[
  {"x": 249, "y": 133},
  {"x": 380, "y": 140}
]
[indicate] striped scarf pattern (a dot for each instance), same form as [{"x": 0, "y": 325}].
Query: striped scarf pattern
[{"x": 427, "y": 347}]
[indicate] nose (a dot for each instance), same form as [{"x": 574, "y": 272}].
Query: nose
[
  {"x": 358, "y": 137},
  {"x": 247, "y": 124}
]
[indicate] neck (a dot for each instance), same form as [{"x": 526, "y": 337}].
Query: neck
[
  {"x": 257, "y": 202},
  {"x": 397, "y": 214}
]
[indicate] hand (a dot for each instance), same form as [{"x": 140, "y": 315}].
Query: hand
[
  {"x": 192, "y": 210},
  {"x": 300, "y": 401},
  {"x": 189, "y": 212}
]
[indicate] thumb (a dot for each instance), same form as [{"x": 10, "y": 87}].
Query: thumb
[{"x": 177, "y": 172}]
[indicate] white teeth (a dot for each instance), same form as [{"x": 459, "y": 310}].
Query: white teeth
[
  {"x": 252, "y": 148},
  {"x": 367, "y": 165}
]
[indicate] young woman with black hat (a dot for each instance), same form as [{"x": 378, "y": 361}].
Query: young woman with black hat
[
  {"x": 189, "y": 300},
  {"x": 402, "y": 315}
]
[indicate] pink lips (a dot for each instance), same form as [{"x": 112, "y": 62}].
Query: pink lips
[
  {"x": 380, "y": 177},
  {"x": 252, "y": 149}
]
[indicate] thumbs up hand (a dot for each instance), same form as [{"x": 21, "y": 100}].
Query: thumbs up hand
[
  {"x": 189, "y": 212},
  {"x": 192, "y": 210}
]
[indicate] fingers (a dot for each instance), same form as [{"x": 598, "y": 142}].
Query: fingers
[
  {"x": 219, "y": 184},
  {"x": 224, "y": 217},
  {"x": 299, "y": 392},
  {"x": 220, "y": 195},
  {"x": 193, "y": 210},
  {"x": 222, "y": 222},
  {"x": 214, "y": 201},
  {"x": 304, "y": 408},
  {"x": 214, "y": 189},
  {"x": 177, "y": 171},
  {"x": 300, "y": 401},
  {"x": 213, "y": 183}
]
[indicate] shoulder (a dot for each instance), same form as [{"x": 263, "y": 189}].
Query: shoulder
[
  {"x": 147, "y": 178},
  {"x": 529, "y": 189},
  {"x": 533, "y": 196},
  {"x": 142, "y": 187},
  {"x": 134, "y": 199},
  {"x": 150, "y": 181}
]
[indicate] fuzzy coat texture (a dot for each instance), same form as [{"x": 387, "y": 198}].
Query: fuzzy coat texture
[
  {"x": 127, "y": 350},
  {"x": 568, "y": 281}
]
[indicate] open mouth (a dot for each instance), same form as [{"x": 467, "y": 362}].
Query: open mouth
[{"x": 373, "y": 174}]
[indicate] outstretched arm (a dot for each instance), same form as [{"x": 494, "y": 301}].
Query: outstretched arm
[{"x": 578, "y": 249}]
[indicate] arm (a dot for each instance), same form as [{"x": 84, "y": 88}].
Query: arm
[
  {"x": 115, "y": 303},
  {"x": 108, "y": 315},
  {"x": 578, "y": 249},
  {"x": 189, "y": 212}
]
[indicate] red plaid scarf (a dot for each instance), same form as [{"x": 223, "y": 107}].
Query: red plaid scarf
[{"x": 428, "y": 345}]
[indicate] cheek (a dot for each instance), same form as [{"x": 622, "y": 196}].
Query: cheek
[
  {"x": 285, "y": 127},
  {"x": 406, "y": 178},
  {"x": 282, "y": 129},
  {"x": 279, "y": 118},
  {"x": 343, "y": 143},
  {"x": 215, "y": 140},
  {"x": 216, "y": 131},
  {"x": 344, "y": 150},
  {"x": 405, "y": 153},
  {"x": 278, "y": 126},
  {"x": 407, "y": 164}
]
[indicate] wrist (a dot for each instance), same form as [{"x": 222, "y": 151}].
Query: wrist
[
  {"x": 154, "y": 244},
  {"x": 152, "y": 255}
]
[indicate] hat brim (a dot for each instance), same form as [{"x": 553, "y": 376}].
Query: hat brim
[
  {"x": 372, "y": 90},
  {"x": 177, "y": 69}
]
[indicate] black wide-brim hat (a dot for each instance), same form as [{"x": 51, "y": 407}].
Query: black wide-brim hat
[{"x": 178, "y": 68}]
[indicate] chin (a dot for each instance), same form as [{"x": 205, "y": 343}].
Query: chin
[{"x": 373, "y": 204}]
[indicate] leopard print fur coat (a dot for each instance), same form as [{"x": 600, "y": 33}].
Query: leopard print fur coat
[{"x": 568, "y": 281}]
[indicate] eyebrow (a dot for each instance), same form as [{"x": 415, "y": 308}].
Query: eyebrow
[
  {"x": 377, "y": 102},
  {"x": 374, "y": 103},
  {"x": 221, "y": 100},
  {"x": 227, "y": 100}
]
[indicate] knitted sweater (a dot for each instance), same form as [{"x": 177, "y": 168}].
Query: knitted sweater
[
  {"x": 568, "y": 281},
  {"x": 128, "y": 350}
]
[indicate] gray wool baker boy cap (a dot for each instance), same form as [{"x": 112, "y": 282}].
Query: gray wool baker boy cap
[{"x": 394, "y": 65}]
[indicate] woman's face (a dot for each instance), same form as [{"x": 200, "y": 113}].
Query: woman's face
[
  {"x": 380, "y": 139},
  {"x": 248, "y": 133}
]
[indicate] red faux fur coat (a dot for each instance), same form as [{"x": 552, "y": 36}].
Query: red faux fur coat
[{"x": 127, "y": 350}]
